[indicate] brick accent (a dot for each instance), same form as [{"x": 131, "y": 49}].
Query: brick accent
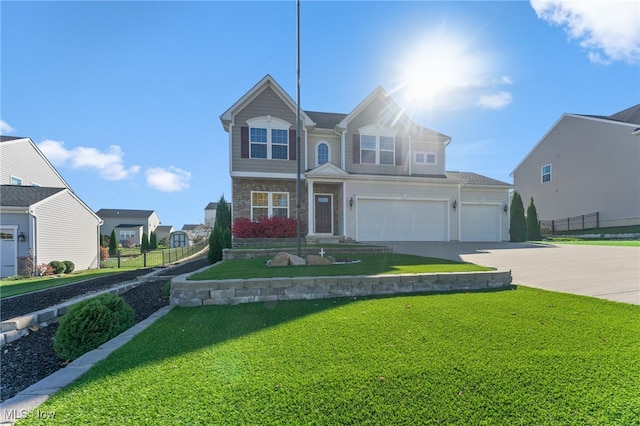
[{"x": 242, "y": 187}]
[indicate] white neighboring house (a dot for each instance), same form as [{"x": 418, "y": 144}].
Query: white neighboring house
[
  {"x": 196, "y": 231},
  {"x": 41, "y": 218},
  {"x": 128, "y": 224},
  {"x": 210, "y": 214},
  {"x": 585, "y": 164},
  {"x": 164, "y": 232}
]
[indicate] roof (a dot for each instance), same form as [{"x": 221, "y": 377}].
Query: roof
[
  {"x": 129, "y": 225},
  {"x": 138, "y": 214},
  {"x": 211, "y": 206},
  {"x": 326, "y": 120},
  {"x": 164, "y": 228},
  {"x": 629, "y": 115},
  {"x": 470, "y": 178},
  {"x": 25, "y": 196},
  {"x": 192, "y": 227},
  {"x": 10, "y": 138}
]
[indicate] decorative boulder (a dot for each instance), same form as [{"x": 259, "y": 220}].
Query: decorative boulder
[
  {"x": 314, "y": 259},
  {"x": 296, "y": 260},
  {"x": 280, "y": 259}
]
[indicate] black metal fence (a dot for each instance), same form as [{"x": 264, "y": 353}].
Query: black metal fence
[
  {"x": 134, "y": 258},
  {"x": 576, "y": 223}
]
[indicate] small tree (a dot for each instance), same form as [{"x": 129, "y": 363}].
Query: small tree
[
  {"x": 113, "y": 244},
  {"x": 533, "y": 226},
  {"x": 518, "y": 225},
  {"x": 220, "y": 237},
  {"x": 153, "y": 241},
  {"x": 145, "y": 242},
  {"x": 102, "y": 240}
]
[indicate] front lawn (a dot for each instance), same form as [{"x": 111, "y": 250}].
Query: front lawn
[
  {"x": 577, "y": 241},
  {"x": 370, "y": 264},
  {"x": 522, "y": 356}
]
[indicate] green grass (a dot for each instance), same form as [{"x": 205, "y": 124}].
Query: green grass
[
  {"x": 14, "y": 287},
  {"x": 370, "y": 264},
  {"x": 523, "y": 356},
  {"x": 578, "y": 241},
  {"x": 602, "y": 231}
]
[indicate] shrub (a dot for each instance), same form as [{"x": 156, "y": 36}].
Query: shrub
[
  {"x": 57, "y": 267},
  {"x": 104, "y": 254},
  {"x": 144, "y": 246},
  {"x": 272, "y": 227},
  {"x": 220, "y": 237},
  {"x": 113, "y": 243},
  {"x": 533, "y": 226},
  {"x": 153, "y": 241},
  {"x": 518, "y": 225},
  {"x": 90, "y": 323},
  {"x": 70, "y": 266},
  {"x": 44, "y": 270}
]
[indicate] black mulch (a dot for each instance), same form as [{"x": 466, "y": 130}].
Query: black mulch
[{"x": 31, "y": 358}]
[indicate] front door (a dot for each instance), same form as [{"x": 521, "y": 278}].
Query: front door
[
  {"x": 8, "y": 265},
  {"x": 323, "y": 209}
]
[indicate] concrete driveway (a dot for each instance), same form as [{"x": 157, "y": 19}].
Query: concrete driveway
[{"x": 611, "y": 273}]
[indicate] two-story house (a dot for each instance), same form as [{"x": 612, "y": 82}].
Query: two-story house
[
  {"x": 41, "y": 218},
  {"x": 129, "y": 224},
  {"x": 369, "y": 175}
]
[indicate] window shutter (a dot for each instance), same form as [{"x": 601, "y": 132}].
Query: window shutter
[
  {"x": 244, "y": 142},
  {"x": 399, "y": 143},
  {"x": 292, "y": 144},
  {"x": 356, "y": 148}
]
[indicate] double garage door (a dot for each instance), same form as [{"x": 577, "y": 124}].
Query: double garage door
[{"x": 412, "y": 220}]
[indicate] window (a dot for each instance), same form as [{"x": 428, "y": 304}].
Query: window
[
  {"x": 268, "y": 204},
  {"x": 125, "y": 235},
  {"x": 35, "y": 184},
  {"x": 546, "y": 173},
  {"x": 269, "y": 138},
  {"x": 16, "y": 180},
  {"x": 377, "y": 145},
  {"x": 424, "y": 158},
  {"x": 323, "y": 153}
]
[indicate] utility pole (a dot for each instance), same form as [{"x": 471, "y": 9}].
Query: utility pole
[{"x": 298, "y": 130}]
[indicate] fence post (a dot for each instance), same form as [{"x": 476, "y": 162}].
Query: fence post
[
  {"x": 145, "y": 259},
  {"x": 597, "y": 220},
  {"x": 553, "y": 227},
  {"x": 162, "y": 256},
  {"x": 118, "y": 259}
]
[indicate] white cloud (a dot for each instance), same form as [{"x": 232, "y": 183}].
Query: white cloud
[
  {"x": 5, "y": 128},
  {"x": 109, "y": 164},
  {"x": 609, "y": 30},
  {"x": 495, "y": 101},
  {"x": 168, "y": 180}
]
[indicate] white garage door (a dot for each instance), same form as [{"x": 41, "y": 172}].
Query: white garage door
[
  {"x": 402, "y": 220},
  {"x": 480, "y": 223}
]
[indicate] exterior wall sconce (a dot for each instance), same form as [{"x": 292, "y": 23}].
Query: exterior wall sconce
[
  {"x": 454, "y": 205},
  {"x": 351, "y": 203},
  {"x": 21, "y": 237},
  {"x": 505, "y": 208}
]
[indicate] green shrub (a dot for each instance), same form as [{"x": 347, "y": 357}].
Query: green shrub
[
  {"x": 90, "y": 323},
  {"x": 70, "y": 266},
  {"x": 58, "y": 267},
  {"x": 518, "y": 224},
  {"x": 533, "y": 225}
]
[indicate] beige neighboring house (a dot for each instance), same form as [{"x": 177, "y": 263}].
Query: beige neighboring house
[
  {"x": 128, "y": 224},
  {"x": 196, "y": 231},
  {"x": 210, "y": 214},
  {"x": 41, "y": 218},
  {"x": 585, "y": 164},
  {"x": 371, "y": 174}
]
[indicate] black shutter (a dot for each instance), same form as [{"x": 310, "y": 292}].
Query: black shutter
[
  {"x": 356, "y": 148},
  {"x": 399, "y": 144},
  {"x": 293, "y": 143},
  {"x": 244, "y": 142}
]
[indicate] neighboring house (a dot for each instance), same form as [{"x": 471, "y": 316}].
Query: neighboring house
[
  {"x": 369, "y": 175},
  {"x": 210, "y": 214},
  {"x": 163, "y": 232},
  {"x": 196, "y": 231},
  {"x": 585, "y": 164},
  {"x": 128, "y": 224},
  {"x": 41, "y": 219}
]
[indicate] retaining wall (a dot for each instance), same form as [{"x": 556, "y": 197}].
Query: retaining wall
[
  {"x": 231, "y": 254},
  {"x": 224, "y": 292}
]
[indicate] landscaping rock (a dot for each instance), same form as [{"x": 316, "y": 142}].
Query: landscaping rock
[
  {"x": 280, "y": 259},
  {"x": 296, "y": 260},
  {"x": 314, "y": 259}
]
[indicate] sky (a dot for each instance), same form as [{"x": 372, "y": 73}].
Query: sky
[{"x": 124, "y": 98}]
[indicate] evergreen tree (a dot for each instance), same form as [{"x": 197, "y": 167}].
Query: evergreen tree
[
  {"x": 533, "y": 225},
  {"x": 102, "y": 240},
  {"x": 145, "y": 242},
  {"x": 518, "y": 225},
  {"x": 113, "y": 244},
  {"x": 220, "y": 237},
  {"x": 153, "y": 241}
]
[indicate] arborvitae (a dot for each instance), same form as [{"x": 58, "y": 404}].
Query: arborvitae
[
  {"x": 113, "y": 244},
  {"x": 518, "y": 225},
  {"x": 153, "y": 241},
  {"x": 145, "y": 242},
  {"x": 102, "y": 240},
  {"x": 533, "y": 226},
  {"x": 220, "y": 237}
]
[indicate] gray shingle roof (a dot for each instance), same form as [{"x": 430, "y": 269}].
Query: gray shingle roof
[
  {"x": 325, "y": 120},
  {"x": 25, "y": 196},
  {"x": 629, "y": 115},
  {"x": 140, "y": 214},
  {"x": 211, "y": 206},
  {"x": 475, "y": 179},
  {"x": 10, "y": 138}
]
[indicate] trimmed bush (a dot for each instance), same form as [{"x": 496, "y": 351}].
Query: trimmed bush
[
  {"x": 70, "y": 266},
  {"x": 533, "y": 225},
  {"x": 220, "y": 237},
  {"x": 518, "y": 225},
  {"x": 113, "y": 243},
  {"x": 58, "y": 267},
  {"x": 90, "y": 323},
  {"x": 272, "y": 227}
]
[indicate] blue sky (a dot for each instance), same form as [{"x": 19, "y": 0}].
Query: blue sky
[{"x": 125, "y": 97}]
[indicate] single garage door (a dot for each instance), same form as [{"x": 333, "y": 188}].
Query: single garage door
[
  {"x": 402, "y": 220},
  {"x": 480, "y": 222}
]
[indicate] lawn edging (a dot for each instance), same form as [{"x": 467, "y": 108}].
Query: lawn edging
[{"x": 235, "y": 291}]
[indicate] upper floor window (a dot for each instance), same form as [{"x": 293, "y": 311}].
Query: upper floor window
[
  {"x": 268, "y": 204},
  {"x": 546, "y": 173},
  {"x": 16, "y": 180},
  {"x": 377, "y": 145},
  {"x": 268, "y": 138},
  {"x": 127, "y": 234},
  {"x": 424, "y": 158},
  {"x": 323, "y": 153}
]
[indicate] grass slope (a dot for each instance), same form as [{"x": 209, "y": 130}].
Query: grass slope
[{"x": 512, "y": 357}]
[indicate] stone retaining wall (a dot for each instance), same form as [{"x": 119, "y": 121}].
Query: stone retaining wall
[{"x": 225, "y": 292}]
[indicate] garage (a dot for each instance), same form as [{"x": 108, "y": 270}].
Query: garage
[
  {"x": 402, "y": 220},
  {"x": 480, "y": 222}
]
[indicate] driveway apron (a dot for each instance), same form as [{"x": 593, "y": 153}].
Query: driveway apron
[{"x": 611, "y": 273}]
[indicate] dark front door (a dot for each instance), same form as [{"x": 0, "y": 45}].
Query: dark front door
[{"x": 323, "y": 214}]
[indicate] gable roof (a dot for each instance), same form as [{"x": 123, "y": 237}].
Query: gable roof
[
  {"x": 4, "y": 138},
  {"x": 470, "y": 178},
  {"x": 326, "y": 120},
  {"x": 629, "y": 115},
  {"x": 211, "y": 206},
  {"x": 139, "y": 214},
  {"x": 164, "y": 228},
  {"x": 25, "y": 196}
]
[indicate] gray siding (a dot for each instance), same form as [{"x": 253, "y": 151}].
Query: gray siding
[
  {"x": 21, "y": 159},
  {"x": 595, "y": 167},
  {"x": 334, "y": 148},
  {"x": 70, "y": 236}
]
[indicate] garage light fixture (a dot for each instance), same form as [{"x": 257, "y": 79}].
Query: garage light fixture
[
  {"x": 351, "y": 203},
  {"x": 505, "y": 208},
  {"x": 454, "y": 205},
  {"x": 22, "y": 238}
]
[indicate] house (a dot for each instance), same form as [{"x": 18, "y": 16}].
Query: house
[
  {"x": 41, "y": 218},
  {"x": 196, "y": 231},
  {"x": 163, "y": 232},
  {"x": 585, "y": 164},
  {"x": 369, "y": 175},
  {"x": 210, "y": 214},
  {"x": 128, "y": 224}
]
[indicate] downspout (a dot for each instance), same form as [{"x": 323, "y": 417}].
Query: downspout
[
  {"x": 100, "y": 223},
  {"x": 459, "y": 209},
  {"x": 32, "y": 242}
]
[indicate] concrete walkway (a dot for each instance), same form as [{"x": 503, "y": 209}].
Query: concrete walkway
[{"x": 605, "y": 272}]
